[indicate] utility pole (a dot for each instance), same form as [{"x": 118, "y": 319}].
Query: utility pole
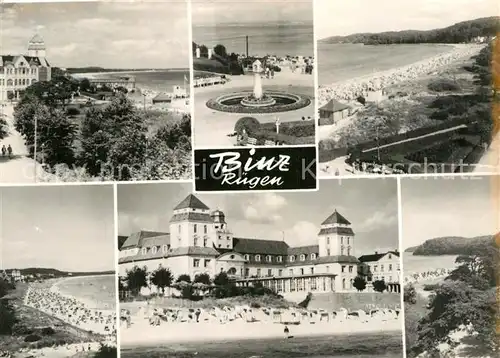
[
  {"x": 246, "y": 44},
  {"x": 35, "y": 148}
]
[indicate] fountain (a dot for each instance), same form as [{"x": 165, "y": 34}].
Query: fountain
[{"x": 258, "y": 101}]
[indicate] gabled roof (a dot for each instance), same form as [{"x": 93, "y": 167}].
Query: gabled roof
[
  {"x": 336, "y": 230},
  {"x": 336, "y": 218},
  {"x": 306, "y": 250},
  {"x": 191, "y": 202},
  {"x": 203, "y": 217},
  {"x": 376, "y": 256},
  {"x": 334, "y": 106},
  {"x": 136, "y": 238},
  {"x": 264, "y": 247}
]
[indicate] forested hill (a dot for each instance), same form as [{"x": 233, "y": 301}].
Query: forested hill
[
  {"x": 451, "y": 245},
  {"x": 458, "y": 33}
]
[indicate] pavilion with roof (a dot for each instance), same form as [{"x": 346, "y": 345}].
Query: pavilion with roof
[{"x": 200, "y": 241}]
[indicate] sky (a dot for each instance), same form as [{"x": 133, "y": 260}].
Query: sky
[
  {"x": 250, "y": 11},
  {"x": 454, "y": 206},
  {"x": 370, "y": 205},
  {"x": 339, "y": 18},
  {"x": 70, "y": 228},
  {"x": 110, "y": 35}
]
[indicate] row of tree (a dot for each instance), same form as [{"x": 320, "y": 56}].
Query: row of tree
[
  {"x": 229, "y": 61},
  {"x": 462, "y": 32},
  {"x": 108, "y": 142},
  {"x": 220, "y": 286}
]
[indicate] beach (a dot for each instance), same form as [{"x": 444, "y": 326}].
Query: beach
[{"x": 350, "y": 89}]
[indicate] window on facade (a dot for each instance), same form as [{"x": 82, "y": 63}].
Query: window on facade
[
  {"x": 312, "y": 270},
  {"x": 247, "y": 257},
  {"x": 196, "y": 263},
  {"x": 207, "y": 263},
  {"x": 195, "y": 228},
  {"x": 165, "y": 248},
  {"x": 279, "y": 259},
  {"x": 205, "y": 242},
  {"x": 154, "y": 249},
  {"x": 302, "y": 257},
  {"x": 399, "y": 268},
  {"x": 381, "y": 268},
  {"x": 390, "y": 278},
  {"x": 269, "y": 258},
  {"x": 350, "y": 268},
  {"x": 314, "y": 285},
  {"x": 280, "y": 272},
  {"x": 390, "y": 256},
  {"x": 328, "y": 241},
  {"x": 301, "y": 271},
  {"x": 258, "y": 272},
  {"x": 341, "y": 250},
  {"x": 204, "y": 229},
  {"x": 348, "y": 241},
  {"x": 327, "y": 268},
  {"x": 144, "y": 251},
  {"x": 292, "y": 258},
  {"x": 327, "y": 252},
  {"x": 195, "y": 241},
  {"x": 257, "y": 257},
  {"x": 269, "y": 272},
  {"x": 343, "y": 284},
  {"x": 343, "y": 268},
  {"x": 290, "y": 272},
  {"x": 349, "y": 251},
  {"x": 247, "y": 272},
  {"x": 375, "y": 268},
  {"x": 341, "y": 240},
  {"x": 313, "y": 256},
  {"x": 390, "y": 267}
]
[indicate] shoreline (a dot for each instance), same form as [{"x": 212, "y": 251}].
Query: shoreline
[
  {"x": 86, "y": 74},
  {"x": 349, "y": 89},
  {"x": 140, "y": 335}
]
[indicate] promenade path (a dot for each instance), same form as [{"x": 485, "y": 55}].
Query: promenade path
[{"x": 20, "y": 168}]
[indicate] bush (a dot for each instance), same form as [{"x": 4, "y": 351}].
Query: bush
[
  {"x": 72, "y": 111},
  {"x": 32, "y": 338},
  {"x": 443, "y": 85},
  {"x": 106, "y": 351},
  {"x": 21, "y": 330},
  {"x": 250, "y": 124},
  {"x": 305, "y": 303},
  {"x": 379, "y": 286},
  {"x": 48, "y": 331},
  {"x": 7, "y": 318}
]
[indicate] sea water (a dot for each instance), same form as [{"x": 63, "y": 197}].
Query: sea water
[
  {"x": 339, "y": 62},
  {"x": 263, "y": 39},
  {"x": 413, "y": 263},
  {"x": 386, "y": 345},
  {"x": 98, "y": 292}
]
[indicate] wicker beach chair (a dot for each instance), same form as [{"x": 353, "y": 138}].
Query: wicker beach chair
[
  {"x": 269, "y": 143},
  {"x": 251, "y": 141}
]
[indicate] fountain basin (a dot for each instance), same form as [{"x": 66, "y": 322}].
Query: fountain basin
[{"x": 270, "y": 102}]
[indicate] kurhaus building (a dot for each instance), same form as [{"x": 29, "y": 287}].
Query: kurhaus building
[
  {"x": 17, "y": 72},
  {"x": 200, "y": 241}
]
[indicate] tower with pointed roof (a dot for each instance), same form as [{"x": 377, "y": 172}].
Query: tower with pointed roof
[
  {"x": 36, "y": 47},
  {"x": 224, "y": 237},
  {"x": 336, "y": 237},
  {"x": 191, "y": 224}
]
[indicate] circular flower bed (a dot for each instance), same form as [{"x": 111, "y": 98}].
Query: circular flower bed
[{"x": 283, "y": 102}]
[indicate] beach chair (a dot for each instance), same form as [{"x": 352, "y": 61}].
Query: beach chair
[
  {"x": 269, "y": 143},
  {"x": 251, "y": 141}
]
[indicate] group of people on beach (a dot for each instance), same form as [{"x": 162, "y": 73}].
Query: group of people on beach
[
  {"x": 427, "y": 275},
  {"x": 350, "y": 90},
  {"x": 289, "y": 316},
  {"x": 71, "y": 310}
]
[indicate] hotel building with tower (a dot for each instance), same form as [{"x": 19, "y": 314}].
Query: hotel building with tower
[
  {"x": 17, "y": 72},
  {"x": 201, "y": 241}
]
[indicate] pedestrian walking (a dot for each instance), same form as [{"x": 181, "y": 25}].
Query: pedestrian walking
[{"x": 9, "y": 149}]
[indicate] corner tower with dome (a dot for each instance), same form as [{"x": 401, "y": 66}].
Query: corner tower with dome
[
  {"x": 17, "y": 72},
  {"x": 200, "y": 241}
]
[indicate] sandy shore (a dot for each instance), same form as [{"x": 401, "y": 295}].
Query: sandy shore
[
  {"x": 350, "y": 89},
  {"x": 141, "y": 333}
]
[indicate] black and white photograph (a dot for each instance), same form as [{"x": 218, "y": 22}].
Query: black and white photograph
[
  {"x": 451, "y": 243},
  {"x": 304, "y": 274},
  {"x": 406, "y": 87},
  {"x": 253, "y": 70},
  {"x": 57, "y": 272},
  {"x": 94, "y": 91}
]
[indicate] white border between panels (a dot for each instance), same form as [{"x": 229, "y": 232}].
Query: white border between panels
[
  {"x": 117, "y": 276},
  {"x": 401, "y": 264}
]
